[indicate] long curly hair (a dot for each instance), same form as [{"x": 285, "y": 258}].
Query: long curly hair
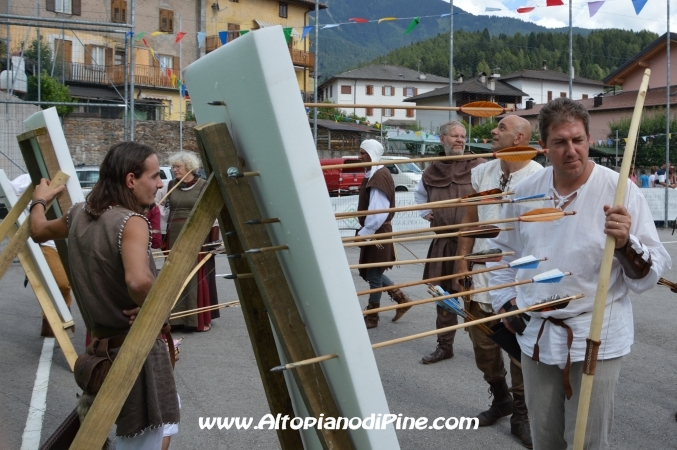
[{"x": 111, "y": 189}]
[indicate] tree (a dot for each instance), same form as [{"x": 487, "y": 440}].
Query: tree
[
  {"x": 46, "y": 58},
  {"x": 52, "y": 91},
  {"x": 651, "y": 139}
]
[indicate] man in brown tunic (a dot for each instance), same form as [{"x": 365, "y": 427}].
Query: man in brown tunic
[
  {"x": 109, "y": 256},
  {"x": 377, "y": 192},
  {"x": 445, "y": 180}
]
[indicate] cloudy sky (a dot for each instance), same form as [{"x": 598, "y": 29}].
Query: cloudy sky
[{"x": 612, "y": 14}]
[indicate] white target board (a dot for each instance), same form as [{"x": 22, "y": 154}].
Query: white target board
[{"x": 255, "y": 79}]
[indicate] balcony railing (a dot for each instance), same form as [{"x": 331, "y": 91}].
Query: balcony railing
[{"x": 106, "y": 75}]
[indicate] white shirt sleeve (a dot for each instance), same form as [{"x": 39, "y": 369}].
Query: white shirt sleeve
[
  {"x": 507, "y": 242},
  {"x": 421, "y": 196},
  {"x": 377, "y": 200}
]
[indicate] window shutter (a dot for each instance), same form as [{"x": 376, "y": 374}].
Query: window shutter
[
  {"x": 76, "y": 8},
  {"x": 88, "y": 54},
  {"x": 383, "y": 91},
  {"x": 170, "y": 21},
  {"x": 383, "y": 112},
  {"x": 51, "y": 5},
  {"x": 415, "y": 92},
  {"x": 404, "y": 91},
  {"x": 176, "y": 64},
  {"x": 109, "y": 56},
  {"x": 392, "y": 90}
]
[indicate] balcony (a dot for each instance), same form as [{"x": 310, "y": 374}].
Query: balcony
[
  {"x": 106, "y": 75},
  {"x": 298, "y": 57}
]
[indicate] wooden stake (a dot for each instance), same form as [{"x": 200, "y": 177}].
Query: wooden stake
[
  {"x": 605, "y": 273},
  {"x": 536, "y": 307}
]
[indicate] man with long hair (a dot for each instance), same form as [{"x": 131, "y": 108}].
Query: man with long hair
[{"x": 113, "y": 272}]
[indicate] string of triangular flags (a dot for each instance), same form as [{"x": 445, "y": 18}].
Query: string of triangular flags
[
  {"x": 593, "y": 7},
  {"x": 610, "y": 142}
]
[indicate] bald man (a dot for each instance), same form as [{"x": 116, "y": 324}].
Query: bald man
[{"x": 510, "y": 132}]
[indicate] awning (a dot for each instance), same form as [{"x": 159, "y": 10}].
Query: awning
[
  {"x": 95, "y": 93},
  {"x": 265, "y": 24}
]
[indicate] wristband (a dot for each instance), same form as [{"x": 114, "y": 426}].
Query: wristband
[{"x": 38, "y": 201}]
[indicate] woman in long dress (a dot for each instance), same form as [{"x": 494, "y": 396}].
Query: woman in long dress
[{"x": 201, "y": 290}]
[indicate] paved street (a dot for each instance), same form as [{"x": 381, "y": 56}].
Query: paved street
[{"x": 217, "y": 375}]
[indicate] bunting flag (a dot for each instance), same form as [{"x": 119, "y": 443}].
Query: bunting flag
[
  {"x": 525, "y": 9},
  {"x": 139, "y": 35},
  {"x": 128, "y": 35},
  {"x": 644, "y": 137},
  {"x": 201, "y": 35},
  {"x": 554, "y": 3},
  {"x": 174, "y": 78},
  {"x": 243, "y": 32},
  {"x": 475, "y": 140},
  {"x": 223, "y": 37},
  {"x": 169, "y": 73},
  {"x": 608, "y": 142},
  {"x": 157, "y": 33},
  {"x": 306, "y": 30},
  {"x": 599, "y": 142},
  {"x": 489, "y": 9},
  {"x": 145, "y": 42},
  {"x": 412, "y": 25},
  {"x": 183, "y": 90},
  {"x": 287, "y": 33},
  {"x": 387, "y": 19},
  {"x": 593, "y": 7},
  {"x": 152, "y": 53},
  {"x": 331, "y": 25},
  {"x": 638, "y": 4},
  {"x": 179, "y": 36},
  {"x": 358, "y": 20}
]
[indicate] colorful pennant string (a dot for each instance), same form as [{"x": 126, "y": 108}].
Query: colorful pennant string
[{"x": 412, "y": 25}]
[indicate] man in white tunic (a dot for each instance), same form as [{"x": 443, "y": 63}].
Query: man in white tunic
[
  {"x": 510, "y": 132},
  {"x": 553, "y": 343}
]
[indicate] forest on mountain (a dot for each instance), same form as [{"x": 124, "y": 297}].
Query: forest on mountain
[
  {"x": 595, "y": 55},
  {"x": 349, "y": 45}
]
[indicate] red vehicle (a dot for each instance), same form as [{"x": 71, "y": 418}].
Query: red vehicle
[{"x": 342, "y": 181}]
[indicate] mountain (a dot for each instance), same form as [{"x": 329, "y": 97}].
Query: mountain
[{"x": 348, "y": 46}]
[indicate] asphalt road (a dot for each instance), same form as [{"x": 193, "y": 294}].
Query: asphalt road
[{"x": 217, "y": 375}]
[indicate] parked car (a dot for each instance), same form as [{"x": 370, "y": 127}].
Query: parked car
[
  {"x": 406, "y": 175},
  {"x": 89, "y": 175},
  {"x": 342, "y": 181}
]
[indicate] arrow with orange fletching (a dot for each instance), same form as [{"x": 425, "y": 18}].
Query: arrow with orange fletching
[
  {"x": 476, "y": 109},
  {"x": 511, "y": 154}
]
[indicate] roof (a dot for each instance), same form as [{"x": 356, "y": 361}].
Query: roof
[
  {"x": 383, "y": 72},
  {"x": 309, "y": 3},
  {"x": 623, "y": 100},
  {"x": 618, "y": 76},
  {"x": 472, "y": 86},
  {"x": 399, "y": 123},
  {"x": 266, "y": 24},
  {"x": 549, "y": 75},
  {"x": 344, "y": 126}
]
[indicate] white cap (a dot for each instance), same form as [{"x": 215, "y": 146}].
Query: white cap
[{"x": 374, "y": 148}]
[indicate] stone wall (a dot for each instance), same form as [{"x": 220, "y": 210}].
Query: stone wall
[{"x": 90, "y": 138}]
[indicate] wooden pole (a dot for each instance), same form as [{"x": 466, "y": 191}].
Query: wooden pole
[
  {"x": 437, "y": 331},
  {"x": 593, "y": 341},
  {"x": 15, "y": 212},
  {"x": 190, "y": 312}
]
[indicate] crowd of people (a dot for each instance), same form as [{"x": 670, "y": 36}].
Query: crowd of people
[{"x": 112, "y": 234}]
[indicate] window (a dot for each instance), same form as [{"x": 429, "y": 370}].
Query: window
[
  {"x": 346, "y": 89},
  {"x": 549, "y": 95},
  {"x": 166, "y": 20},
  {"x": 166, "y": 61},
  {"x": 95, "y": 56},
  {"x": 410, "y": 113},
  {"x": 283, "y": 9},
  {"x": 235, "y": 1},
  {"x": 387, "y": 112},
  {"x": 409, "y": 91},
  {"x": 388, "y": 91},
  {"x": 585, "y": 96},
  {"x": 370, "y": 112},
  {"x": 369, "y": 90},
  {"x": 233, "y": 31},
  {"x": 562, "y": 94},
  {"x": 65, "y": 6},
  {"x": 331, "y": 91},
  {"x": 119, "y": 58},
  {"x": 118, "y": 11}
]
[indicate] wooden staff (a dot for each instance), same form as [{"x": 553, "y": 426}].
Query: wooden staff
[
  {"x": 173, "y": 187},
  {"x": 531, "y": 308},
  {"x": 190, "y": 312},
  {"x": 431, "y": 280},
  {"x": 190, "y": 275},
  {"x": 489, "y": 232},
  {"x": 476, "y": 109},
  {"x": 469, "y": 257},
  {"x": 470, "y": 292},
  {"x": 593, "y": 341},
  {"x": 424, "y": 206},
  {"x": 512, "y": 154},
  {"x": 535, "y": 215},
  {"x": 667, "y": 283}
]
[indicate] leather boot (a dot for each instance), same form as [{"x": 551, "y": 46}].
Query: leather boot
[
  {"x": 501, "y": 406},
  {"x": 438, "y": 355},
  {"x": 519, "y": 422},
  {"x": 46, "y": 330},
  {"x": 371, "y": 320},
  {"x": 399, "y": 297}
]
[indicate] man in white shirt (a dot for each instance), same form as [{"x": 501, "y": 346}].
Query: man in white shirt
[
  {"x": 510, "y": 132},
  {"x": 553, "y": 343},
  {"x": 377, "y": 192}
]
